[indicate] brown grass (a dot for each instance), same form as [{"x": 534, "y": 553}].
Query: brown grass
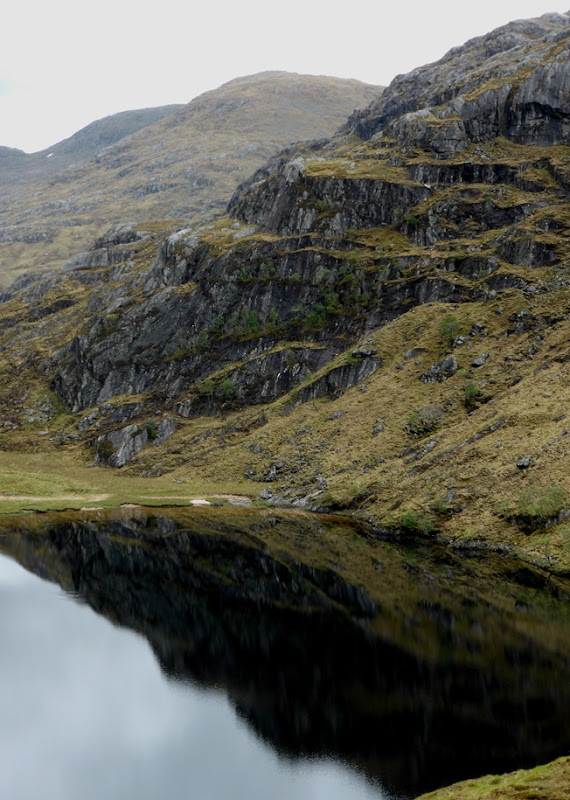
[{"x": 549, "y": 782}]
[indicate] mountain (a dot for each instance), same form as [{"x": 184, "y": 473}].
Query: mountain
[
  {"x": 180, "y": 163},
  {"x": 379, "y": 324},
  {"x": 18, "y": 169}
]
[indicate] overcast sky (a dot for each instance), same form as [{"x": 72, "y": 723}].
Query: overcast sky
[{"x": 64, "y": 64}]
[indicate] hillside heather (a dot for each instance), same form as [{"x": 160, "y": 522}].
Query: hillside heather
[
  {"x": 378, "y": 324},
  {"x": 175, "y": 163}
]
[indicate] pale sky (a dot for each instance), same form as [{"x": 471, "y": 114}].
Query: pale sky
[{"x": 64, "y": 64}]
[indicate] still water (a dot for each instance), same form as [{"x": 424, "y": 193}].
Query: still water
[
  {"x": 87, "y": 713},
  {"x": 151, "y": 659}
]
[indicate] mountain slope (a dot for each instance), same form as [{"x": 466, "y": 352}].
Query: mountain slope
[
  {"x": 18, "y": 169},
  {"x": 381, "y": 324},
  {"x": 186, "y": 166}
]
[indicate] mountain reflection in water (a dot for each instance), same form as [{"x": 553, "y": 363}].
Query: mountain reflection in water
[{"x": 444, "y": 668}]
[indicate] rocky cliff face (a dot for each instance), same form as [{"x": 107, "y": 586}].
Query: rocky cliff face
[
  {"x": 412, "y": 269},
  {"x": 513, "y": 82}
]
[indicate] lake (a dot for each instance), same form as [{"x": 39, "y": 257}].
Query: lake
[{"x": 211, "y": 654}]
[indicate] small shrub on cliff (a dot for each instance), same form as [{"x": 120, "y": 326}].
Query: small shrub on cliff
[
  {"x": 227, "y": 388},
  {"x": 206, "y": 388},
  {"x": 290, "y": 358},
  {"x": 253, "y": 321},
  {"x": 544, "y": 504},
  {"x": 105, "y": 449},
  {"x": 202, "y": 344},
  {"x": 315, "y": 319},
  {"x": 267, "y": 270},
  {"x": 332, "y": 303},
  {"x": 534, "y": 508},
  {"x": 449, "y": 328},
  {"x": 218, "y": 324},
  {"x": 415, "y": 522},
  {"x": 472, "y": 394},
  {"x": 441, "y": 507}
]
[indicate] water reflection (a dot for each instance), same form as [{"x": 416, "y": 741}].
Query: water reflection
[
  {"x": 86, "y": 714},
  {"x": 413, "y": 689}
]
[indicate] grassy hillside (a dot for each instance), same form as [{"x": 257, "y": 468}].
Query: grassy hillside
[
  {"x": 361, "y": 253},
  {"x": 439, "y": 457},
  {"x": 379, "y": 327},
  {"x": 184, "y": 168},
  {"x": 20, "y": 169},
  {"x": 549, "y": 782}
]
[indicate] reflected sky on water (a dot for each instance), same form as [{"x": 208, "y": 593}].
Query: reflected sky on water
[
  {"x": 185, "y": 657},
  {"x": 85, "y": 712}
]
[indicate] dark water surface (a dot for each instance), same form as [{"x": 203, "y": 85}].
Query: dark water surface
[
  {"x": 87, "y": 713},
  {"x": 219, "y": 665}
]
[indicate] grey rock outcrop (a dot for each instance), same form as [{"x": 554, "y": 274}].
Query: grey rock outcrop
[
  {"x": 118, "y": 447},
  {"x": 480, "y": 360},
  {"x": 425, "y": 421},
  {"x": 441, "y": 371},
  {"x": 356, "y": 203},
  {"x": 484, "y": 89},
  {"x": 325, "y": 244},
  {"x": 338, "y": 380}
]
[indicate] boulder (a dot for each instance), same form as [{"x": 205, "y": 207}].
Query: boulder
[{"x": 440, "y": 371}]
